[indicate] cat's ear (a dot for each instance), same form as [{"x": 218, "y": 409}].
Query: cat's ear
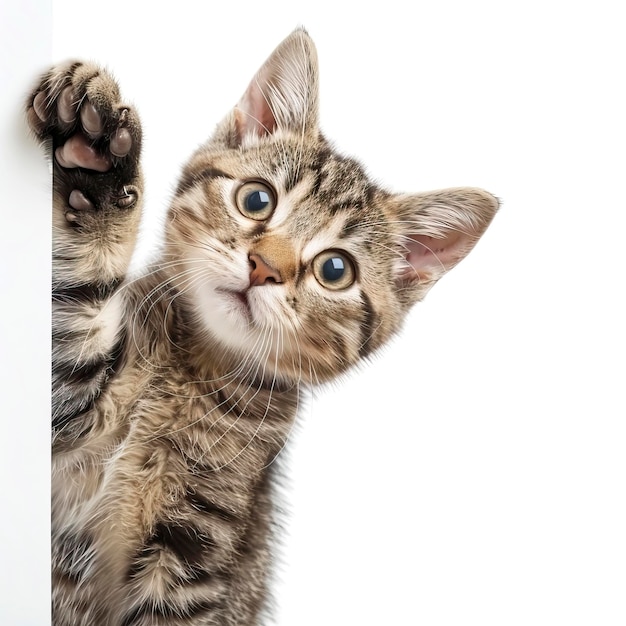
[
  {"x": 435, "y": 231},
  {"x": 284, "y": 92}
]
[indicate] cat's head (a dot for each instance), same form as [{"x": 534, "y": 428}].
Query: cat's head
[{"x": 286, "y": 253}]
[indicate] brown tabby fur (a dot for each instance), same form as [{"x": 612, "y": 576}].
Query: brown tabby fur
[{"x": 174, "y": 393}]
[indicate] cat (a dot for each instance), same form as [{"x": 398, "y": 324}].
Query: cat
[{"x": 283, "y": 266}]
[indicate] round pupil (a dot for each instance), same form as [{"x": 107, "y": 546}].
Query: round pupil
[
  {"x": 333, "y": 269},
  {"x": 257, "y": 201}
]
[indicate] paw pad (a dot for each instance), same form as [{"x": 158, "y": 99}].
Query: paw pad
[
  {"x": 95, "y": 141},
  {"x": 66, "y": 106},
  {"x": 78, "y": 105},
  {"x": 77, "y": 151},
  {"x": 121, "y": 142},
  {"x": 79, "y": 201}
]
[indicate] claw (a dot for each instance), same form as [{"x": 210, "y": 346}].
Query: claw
[{"x": 129, "y": 198}]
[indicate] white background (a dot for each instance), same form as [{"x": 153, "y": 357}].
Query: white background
[{"x": 474, "y": 473}]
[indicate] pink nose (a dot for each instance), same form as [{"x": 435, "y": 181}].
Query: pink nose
[{"x": 261, "y": 272}]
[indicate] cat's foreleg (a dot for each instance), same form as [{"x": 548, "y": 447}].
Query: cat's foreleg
[{"x": 95, "y": 141}]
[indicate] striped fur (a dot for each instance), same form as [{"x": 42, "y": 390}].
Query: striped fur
[{"x": 174, "y": 393}]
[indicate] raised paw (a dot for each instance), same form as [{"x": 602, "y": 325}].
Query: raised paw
[
  {"x": 95, "y": 137},
  {"x": 78, "y": 106}
]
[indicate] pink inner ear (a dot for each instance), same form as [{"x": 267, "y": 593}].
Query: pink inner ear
[
  {"x": 427, "y": 255},
  {"x": 253, "y": 114}
]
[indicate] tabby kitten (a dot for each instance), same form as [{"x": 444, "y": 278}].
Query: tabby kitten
[{"x": 283, "y": 266}]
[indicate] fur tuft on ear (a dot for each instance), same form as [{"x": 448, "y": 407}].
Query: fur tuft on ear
[
  {"x": 284, "y": 92},
  {"x": 435, "y": 231}
]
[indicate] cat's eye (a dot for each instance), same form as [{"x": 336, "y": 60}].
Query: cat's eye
[
  {"x": 256, "y": 200},
  {"x": 334, "y": 270}
]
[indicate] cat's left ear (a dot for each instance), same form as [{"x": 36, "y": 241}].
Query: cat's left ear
[
  {"x": 284, "y": 92},
  {"x": 434, "y": 232}
]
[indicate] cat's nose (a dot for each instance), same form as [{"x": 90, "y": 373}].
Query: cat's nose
[{"x": 262, "y": 273}]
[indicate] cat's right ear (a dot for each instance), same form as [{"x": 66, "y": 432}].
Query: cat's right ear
[
  {"x": 435, "y": 231},
  {"x": 283, "y": 95}
]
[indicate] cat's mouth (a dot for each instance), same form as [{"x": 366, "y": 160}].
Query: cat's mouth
[{"x": 238, "y": 299}]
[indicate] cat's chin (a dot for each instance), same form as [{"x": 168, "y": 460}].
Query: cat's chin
[
  {"x": 226, "y": 314},
  {"x": 239, "y": 302},
  {"x": 229, "y": 316}
]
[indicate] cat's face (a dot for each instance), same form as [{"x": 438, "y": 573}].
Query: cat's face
[{"x": 285, "y": 251}]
